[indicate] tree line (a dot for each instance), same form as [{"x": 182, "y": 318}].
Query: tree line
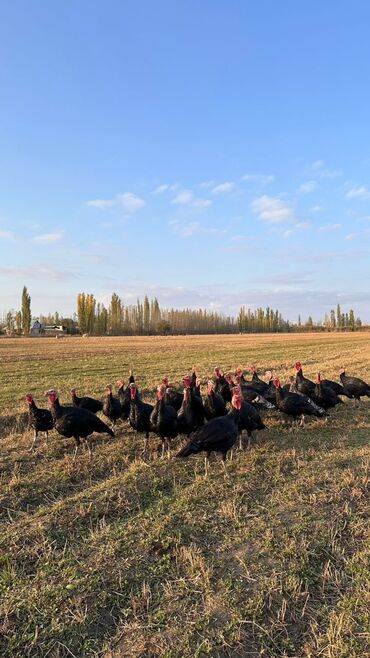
[{"x": 147, "y": 317}]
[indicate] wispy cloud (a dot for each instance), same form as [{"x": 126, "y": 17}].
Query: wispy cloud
[
  {"x": 358, "y": 192},
  {"x": 206, "y": 184},
  {"x": 316, "y": 209},
  {"x": 193, "y": 228},
  {"x": 330, "y": 227},
  {"x": 352, "y": 236},
  {"x": 272, "y": 210},
  {"x": 223, "y": 188},
  {"x": 6, "y": 235},
  {"x": 46, "y": 238},
  {"x": 188, "y": 198},
  {"x": 322, "y": 172},
  {"x": 309, "y": 186},
  {"x": 166, "y": 188},
  {"x": 37, "y": 272},
  {"x": 126, "y": 200},
  {"x": 260, "y": 179}
]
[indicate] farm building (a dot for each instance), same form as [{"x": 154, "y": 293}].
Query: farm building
[{"x": 39, "y": 329}]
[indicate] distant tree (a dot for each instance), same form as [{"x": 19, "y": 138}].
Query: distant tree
[
  {"x": 10, "y": 326},
  {"x": 115, "y": 315},
  {"x": 339, "y": 317},
  {"x": 309, "y": 323},
  {"x": 18, "y": 323},
  {"x": 26, "y": 312},
  {"x": 352, "y": 321},
  {"x": 164, "y": 328},
  {"x": 146, "y": 316},
  {"x": 86, "y": 312}
]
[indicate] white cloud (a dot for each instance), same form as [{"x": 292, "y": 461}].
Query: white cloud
[
  {"x": 101, "y": 203},
  {"x": 352, "y": 236},
  {"x": 308, "y": 187},
  {"x": 45, "y": 238},
  {"x": 287, "y": 234},
  {"x": 7, "y": 235},
  {"x": 260, "y": 179},
  {"x": 330, "y": 227},
  {"x": 316, "y": 209},
  {"x": 201, "y": 203},
  {"x": 358, "y": 192},
  {"x": 272, "y": 210},
  {"x": 187, "y": 198},
  {"x": 330, "y": 173},
  {"x": 302, "y": 224},
  {"x": 165, "y": 188},
  {"x": 37, "y": 272},
  {"x": 184, "y": 198},
  {"x": 223, "y": 188},
  {"x": 207, "y": 183},
  {"x": 188, "y": 230},
  {"x": 319, "y": 168},
  {"x": 128, "y": 201}
]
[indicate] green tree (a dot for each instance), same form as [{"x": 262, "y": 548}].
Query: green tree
[
  {"x": 115, "y": 315},
  {"x": 26, "y": 312},
  {"x": 146, "y": 315},
  {"x": 18, "y": 322}
]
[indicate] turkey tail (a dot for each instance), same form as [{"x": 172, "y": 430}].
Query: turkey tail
[{"x": 189, "y": 449}]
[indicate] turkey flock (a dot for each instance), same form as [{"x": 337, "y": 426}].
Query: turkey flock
[{"x": 213, "y": 422}]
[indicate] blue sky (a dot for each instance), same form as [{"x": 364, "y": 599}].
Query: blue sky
[{"x": 210, "y": 153}]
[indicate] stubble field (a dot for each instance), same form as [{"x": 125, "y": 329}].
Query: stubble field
[{"x": 126, "y": 558}]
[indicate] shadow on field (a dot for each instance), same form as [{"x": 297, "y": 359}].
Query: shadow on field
[{"x": 14, "y": 423}]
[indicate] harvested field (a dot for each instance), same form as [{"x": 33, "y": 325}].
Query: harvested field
[{"x": 126, "y": 558}]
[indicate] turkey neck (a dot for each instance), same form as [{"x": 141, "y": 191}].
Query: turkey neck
[
  {"x": 279, "y": 395},
  {"x": 234, "y": 414},
  {"x": 300, "y": 377},
  {"x": 56, "y": 408}
]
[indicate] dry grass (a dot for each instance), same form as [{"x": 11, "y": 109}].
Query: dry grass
[{"x": 126, "y": 559}]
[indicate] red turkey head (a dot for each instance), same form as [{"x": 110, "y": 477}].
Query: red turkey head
[
  {"x": 236, "y": 400},
  {"x": 209, "y": 387},
  {"x": 268, "y": 374},
  {"x": 165, "y": 381},
  {"x": 187, "y": 381},
  {"x": 120, "y": 383},
  {"x": 198, "y": 382},
  {"x": 160, "y": 392},
  {"x": 239, "y": 372},
  {"x": 73, "y": 390},
  {"x": 29, "y": 398},
  {"x": 253, "y": 369},
  {"x": 276, "y": 382},
  {"x": 342, "y": 371},
  {"x": 318, "y": 378},
  {"x": 132, "y": 391},
  {"x": 218, "y": 372},
  {"x": 52, "y": 395},
  {"x": 108, "y": 388},
  {"x": 229, "y": 379},
  {"x": 298, "y": 366}
]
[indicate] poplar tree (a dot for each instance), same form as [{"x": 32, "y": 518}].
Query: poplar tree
[{"x": 25, "y": 312}]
